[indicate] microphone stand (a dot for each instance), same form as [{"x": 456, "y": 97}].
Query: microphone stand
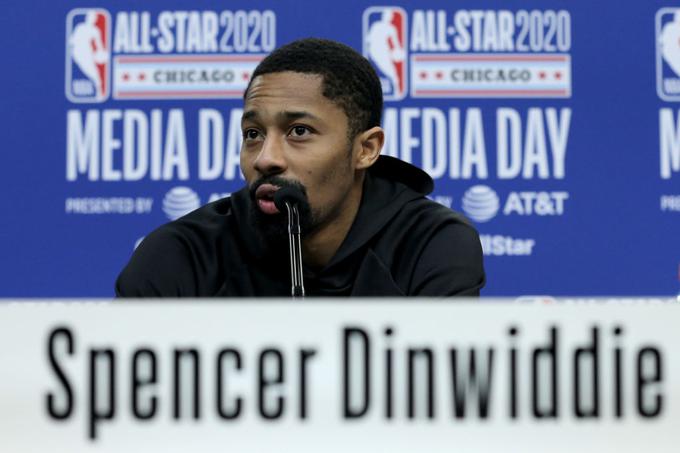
[{"x": 295, "y": 249}]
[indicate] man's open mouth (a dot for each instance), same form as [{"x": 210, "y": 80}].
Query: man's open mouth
[{"x": 264, "y": 196}]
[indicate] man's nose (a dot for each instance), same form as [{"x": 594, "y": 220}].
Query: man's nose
[{"x": 270, "y": 160}]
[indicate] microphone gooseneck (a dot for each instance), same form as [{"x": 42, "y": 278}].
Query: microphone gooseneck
[{"x": 287, "y": 199}]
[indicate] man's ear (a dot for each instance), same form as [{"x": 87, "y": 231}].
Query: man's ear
[{"x": 371, "y": 142}]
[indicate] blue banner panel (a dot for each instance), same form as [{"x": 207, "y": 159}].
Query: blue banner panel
[{"x": 552, "y": 125}]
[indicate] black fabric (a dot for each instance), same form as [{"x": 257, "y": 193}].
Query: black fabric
[{"x": 400, "y": 244}]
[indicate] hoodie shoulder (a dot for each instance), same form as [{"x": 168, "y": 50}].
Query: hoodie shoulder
[
  {"x": 179, "y": 259},
  {"x": 450, "y": 262},
  {"x": 431, "y": 250}
]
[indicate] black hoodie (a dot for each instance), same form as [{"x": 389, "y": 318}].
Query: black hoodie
[{"x": 400, "y": 244}]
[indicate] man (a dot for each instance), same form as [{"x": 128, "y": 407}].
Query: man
[{"x": 311, "y": 120}]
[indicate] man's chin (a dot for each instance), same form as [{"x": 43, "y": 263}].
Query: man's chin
[{"x": 272, "y": 228}]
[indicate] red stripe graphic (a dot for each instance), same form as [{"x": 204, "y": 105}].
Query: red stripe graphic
[
  {"x": 124, "y": 94},
  {"x": 189, "y": 59},
  {"x": 477, "y": 92},
  {"x": 560, "y": 58}
]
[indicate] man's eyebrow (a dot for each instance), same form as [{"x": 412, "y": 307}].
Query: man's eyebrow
[
  {"x": 296, "y": 115},
  {"x": 286, "y": 115},
  {"x": 249, "y": 115}
]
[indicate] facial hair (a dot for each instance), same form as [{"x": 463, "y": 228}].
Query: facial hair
[{"x": 273, "y": 228}]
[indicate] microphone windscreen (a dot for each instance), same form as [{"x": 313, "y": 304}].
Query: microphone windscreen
[{"x": 289, "y": 194}]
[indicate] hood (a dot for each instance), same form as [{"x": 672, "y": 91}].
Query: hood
[{"x": 394, "y": 169}]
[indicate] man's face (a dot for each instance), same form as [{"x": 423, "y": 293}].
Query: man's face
[{"x": 292, "y": 134}]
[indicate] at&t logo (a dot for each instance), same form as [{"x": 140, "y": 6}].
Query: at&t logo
[
  {"x": 481, "y": 203},
  {"x": 180, "y": 201}
]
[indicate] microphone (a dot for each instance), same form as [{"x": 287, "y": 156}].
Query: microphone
[{"x": 287, "y": 199}]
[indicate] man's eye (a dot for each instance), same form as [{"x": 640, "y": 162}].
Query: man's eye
[
  {"x": 251, "y": 134},
  {"x": 299, "y": 131}
]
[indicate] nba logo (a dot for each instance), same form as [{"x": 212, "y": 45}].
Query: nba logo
[
  {"x": 384, "y": 32},
  {"x": 668, "y": 54},
  {"x": 88, "y": 55}
]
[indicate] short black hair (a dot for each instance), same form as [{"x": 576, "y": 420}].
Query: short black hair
[{"x": 349, "y": 80}]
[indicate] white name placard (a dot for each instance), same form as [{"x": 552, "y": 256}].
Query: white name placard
[{"x": 340, "y": 375}]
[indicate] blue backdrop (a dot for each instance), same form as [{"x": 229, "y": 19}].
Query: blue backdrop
[{"x": 553, "y": 125}]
